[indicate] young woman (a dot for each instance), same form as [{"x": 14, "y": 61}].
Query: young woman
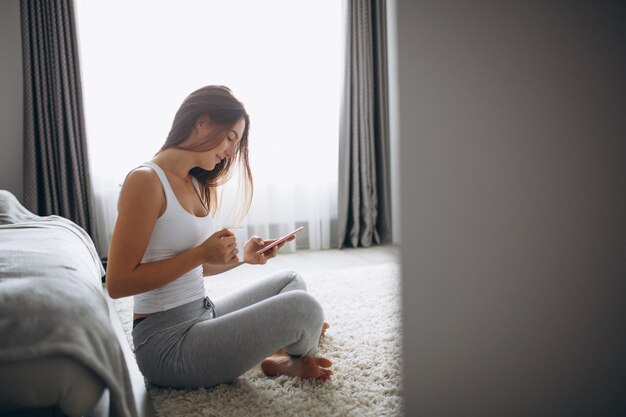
[{"x": 164, "y": 243}]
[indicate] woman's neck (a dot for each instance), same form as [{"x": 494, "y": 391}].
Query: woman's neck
[{"x": 175, "y": 162}]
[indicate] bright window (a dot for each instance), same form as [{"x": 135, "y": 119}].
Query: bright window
[{"x": 283, "y": 59}]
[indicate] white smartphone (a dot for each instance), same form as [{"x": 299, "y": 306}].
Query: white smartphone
[{"x": 279, "y": 240}]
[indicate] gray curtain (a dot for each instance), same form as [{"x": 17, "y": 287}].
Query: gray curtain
[
  {"x": 56, "y": 171},
  {"x": 364, "y": 173}
]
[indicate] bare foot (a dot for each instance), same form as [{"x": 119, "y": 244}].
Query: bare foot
[
  {"x": 324, "y": 327},
  {"x": 304, "y": 367}
]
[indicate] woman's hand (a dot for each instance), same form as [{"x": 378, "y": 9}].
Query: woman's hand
[
  {"x": 219, "y": 249},
  {"x": 255, "y": 243}
]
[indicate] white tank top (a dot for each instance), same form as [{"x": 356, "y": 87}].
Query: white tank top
[{"x": 175, "y": 231}]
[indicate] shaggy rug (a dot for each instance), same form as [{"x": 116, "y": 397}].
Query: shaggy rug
[{"x": 362, "y": 305}]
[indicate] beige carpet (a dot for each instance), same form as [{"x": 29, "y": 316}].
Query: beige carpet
[{"x": 362, "y": 305}]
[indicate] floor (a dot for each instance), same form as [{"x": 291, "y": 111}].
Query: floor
[{"x": 302, "y": 261}]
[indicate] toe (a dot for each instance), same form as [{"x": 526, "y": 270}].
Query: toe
[
  {"x": 325, "y": 375},
  {"x": 324, "y": 363}
]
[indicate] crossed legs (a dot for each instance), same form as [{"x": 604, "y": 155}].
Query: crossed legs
[{"x": 274, "y": 322}]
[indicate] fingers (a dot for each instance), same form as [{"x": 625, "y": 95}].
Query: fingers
[
  {"x": 229, "y": 249},
  {"x": 221, "y": 248},
  {"x": 233, "y": 259},
  {"x": 256, "y": 242},
  {"x": 228, "y": 244},
  {"x": 226, "y": 237},
  {"x": 223, "y": 233},
  {"x": 270, "y": 253},
  {"x": 252, "y": 246},
  {"x": 281, "y": 244},
  {"x": 229, "y": 255}
]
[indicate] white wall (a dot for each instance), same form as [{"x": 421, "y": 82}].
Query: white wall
[
  {"x": 11, "y": 98},
  {"x": 511, "y": 127}
]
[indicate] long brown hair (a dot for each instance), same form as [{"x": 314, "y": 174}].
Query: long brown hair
[{"x": 223, "y": 111}]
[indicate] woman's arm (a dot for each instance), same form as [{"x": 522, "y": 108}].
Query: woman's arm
[{"x": 141, "y": 202}]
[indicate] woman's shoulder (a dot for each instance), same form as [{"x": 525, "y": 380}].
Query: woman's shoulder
[
  {"x": 142, "y": 171},
  {"x": 144, "y": 180},
  {"x": 142, "y": 187}
]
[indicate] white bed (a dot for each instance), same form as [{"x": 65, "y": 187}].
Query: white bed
[{"x": 59, "y": 354}]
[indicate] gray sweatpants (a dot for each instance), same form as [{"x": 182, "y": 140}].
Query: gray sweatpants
[{"x": 203, "y": 344}]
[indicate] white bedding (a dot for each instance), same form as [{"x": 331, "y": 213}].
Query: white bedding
[{"x": 52, "y": 303}]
